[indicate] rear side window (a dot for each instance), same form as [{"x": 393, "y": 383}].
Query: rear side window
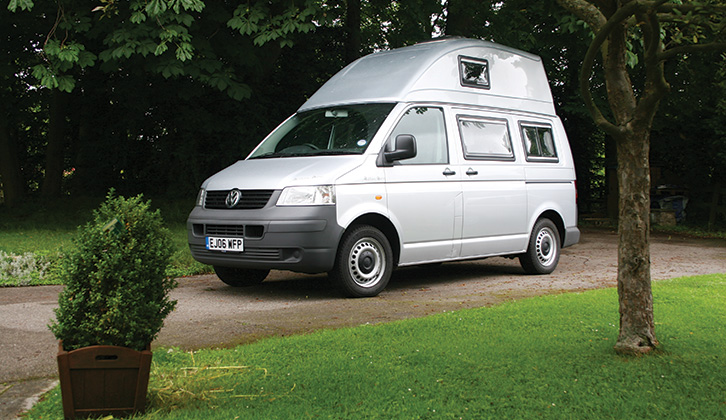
[
  {"x": 485, "y": 138},
  {"x": 539, "y": 142}
]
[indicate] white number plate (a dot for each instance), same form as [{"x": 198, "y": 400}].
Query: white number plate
[{"x": 225, "y": 244}]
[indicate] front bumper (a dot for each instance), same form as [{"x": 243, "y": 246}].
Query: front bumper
[{"x": 303, "y": 239}]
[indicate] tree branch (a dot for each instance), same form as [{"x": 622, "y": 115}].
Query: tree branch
[
  {"x": 585, "y": 11},
  {"x": 687, "y": 49},
  {"x": 667, "y": 7},
  {"x": 601, "y": 37},
  {"x": 656, "y": 86}
]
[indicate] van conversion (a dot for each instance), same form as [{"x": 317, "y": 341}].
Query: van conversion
[{"x": 442, "y": 151}]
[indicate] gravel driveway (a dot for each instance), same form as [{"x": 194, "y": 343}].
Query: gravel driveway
[{"x": 211, "y": 314}]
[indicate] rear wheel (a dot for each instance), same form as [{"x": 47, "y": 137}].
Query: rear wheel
[
  {"x": 364, "y": 262},
  {"x": 240, "y": 277},
  {"x": 543, "y": 252}
]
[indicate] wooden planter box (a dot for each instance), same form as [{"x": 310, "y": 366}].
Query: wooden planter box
[{"x": 103, "y": 380}]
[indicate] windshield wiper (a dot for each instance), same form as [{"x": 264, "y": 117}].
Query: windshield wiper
[
  {"x": 279, "y": 154},
  {"x": 315, "y": 153},
  {"x": 332, "y": 152}
]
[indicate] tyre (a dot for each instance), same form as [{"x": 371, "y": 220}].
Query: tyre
[
  {"x": 364, "y": 262},
  {"x": 240, "y": 277},
  {"x": 543, "y": 252}
]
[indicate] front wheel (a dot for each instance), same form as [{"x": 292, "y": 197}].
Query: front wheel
[
  {"x": 240, "y": 277},
  {"x": 543, "y": 252},
  {"x": 364, "y": 262}
]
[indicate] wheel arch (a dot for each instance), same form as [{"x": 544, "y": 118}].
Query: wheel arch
[
  {"x": 383, "y": 224},
  {"x": 557, "y": 220}
]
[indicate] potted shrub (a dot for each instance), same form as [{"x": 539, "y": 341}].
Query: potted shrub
[{"x": 114, "y": 304}]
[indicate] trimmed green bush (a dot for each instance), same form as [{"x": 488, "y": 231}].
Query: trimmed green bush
[{"x": 117, "y": 292}]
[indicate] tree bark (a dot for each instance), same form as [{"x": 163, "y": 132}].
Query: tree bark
[
  {"x": 352, "y": 29},
  {"x": 637, "y": 327},
  {"x": 55, "y": 150},
  {"x": 10, "y": 175}
]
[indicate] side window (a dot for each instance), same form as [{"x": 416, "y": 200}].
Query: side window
[
  {"x": 426, "y": 124},
  {"x": 474, "y": 72},
  {"x": 485, "y": 138},
  {"x": 539, "y": 142}
]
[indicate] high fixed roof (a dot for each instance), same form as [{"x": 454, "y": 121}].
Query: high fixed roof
[{"x": 430, "y": 72}]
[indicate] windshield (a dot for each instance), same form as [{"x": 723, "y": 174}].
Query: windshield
[{"x": 344, "y": 130}]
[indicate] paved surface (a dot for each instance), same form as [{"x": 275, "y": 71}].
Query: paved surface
[{"x": 211, "y": 314}]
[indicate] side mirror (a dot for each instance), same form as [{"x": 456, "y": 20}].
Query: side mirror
[{"x": 404, "y": 147}]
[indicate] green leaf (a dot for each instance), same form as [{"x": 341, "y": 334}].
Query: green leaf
[
  {"x": 66, "y": 83},
  {"x": 146, "y": 47},
  {"x": 185, "y": 19},
  {"x": 22, "y": 4},
  {"x": 106, "y": 55},
  {"x": 235, "y": 23},
  {"x": 239, "y": 91},
  {"x": 219, "y": 81},
  {"x": 161, "y": 48},
  {"x": 288, "y": 26},
  {"x": 184, "y": 51},
  {"x": 173, "y": 68},
  {"x": 194, "y": 5},
  {"x": 52, "y": 47},
  {"x": 86, "y": 59},
  {"x": 156, "y": 7},
  {"x": 256, "y": 14},
  {"x": 69, "y": 53},
  {"x": 40, "y": 71},
  {"x": 138, "y": 17},
  {"x": 45, "y": 76}
]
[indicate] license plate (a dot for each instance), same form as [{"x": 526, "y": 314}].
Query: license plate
[{"x": 225, "y": 244}]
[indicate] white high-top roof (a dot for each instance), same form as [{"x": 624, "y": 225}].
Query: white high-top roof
[{"x": 429, "y": 72}]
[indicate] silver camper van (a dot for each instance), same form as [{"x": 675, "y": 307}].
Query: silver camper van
[{"x": 442, "y": 151}]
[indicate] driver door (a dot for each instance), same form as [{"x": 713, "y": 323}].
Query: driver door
[{"x": 424, "y": 192}]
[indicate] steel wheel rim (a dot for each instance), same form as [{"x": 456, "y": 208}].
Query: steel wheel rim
[
  {"x": 546, "y": 247},
  {"x": 366, "y": 262}
]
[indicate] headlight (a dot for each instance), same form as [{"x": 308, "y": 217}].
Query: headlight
[
  {"x": 201, "y": 196},
  {"x": 321, "y": 195}
]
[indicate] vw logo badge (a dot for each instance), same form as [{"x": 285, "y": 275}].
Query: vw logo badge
[{"x": 233, "y": 198}]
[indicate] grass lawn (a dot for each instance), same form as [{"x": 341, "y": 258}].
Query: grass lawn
[
  {"x": 544, "y": 357},
  {"x": 43, "y": 232}
]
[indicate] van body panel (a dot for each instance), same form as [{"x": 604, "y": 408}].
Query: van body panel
[
  {"x": 356, "y": 200},
  {"x": 423, "y": 205},
  {"x": 281, "y": 173},
  {"x": 495, "y": 217},
  {"x": 545, "y": 196},
  {"x": 491, "y": 159},
  {"x": 430, "y": 70}
]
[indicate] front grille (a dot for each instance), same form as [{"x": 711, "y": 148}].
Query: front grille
[
  {"x": 250, "y": 254},
  {"x": 251, "y": 200},
  {"x": 225, "y": 230}
]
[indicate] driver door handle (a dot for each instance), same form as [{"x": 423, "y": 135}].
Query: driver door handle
[
  {"x": 449, "y": 172},
  {"x": 472, "y": 172}
]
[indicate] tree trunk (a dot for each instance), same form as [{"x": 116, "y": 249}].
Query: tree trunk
[
  {"x": 352, "y": 29},
  {"x": 55, "y": 151},
  {"x": 10, "y": 176},
  {"x": 637, "y": 328},
  {"x": 459, "y": 18}
]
